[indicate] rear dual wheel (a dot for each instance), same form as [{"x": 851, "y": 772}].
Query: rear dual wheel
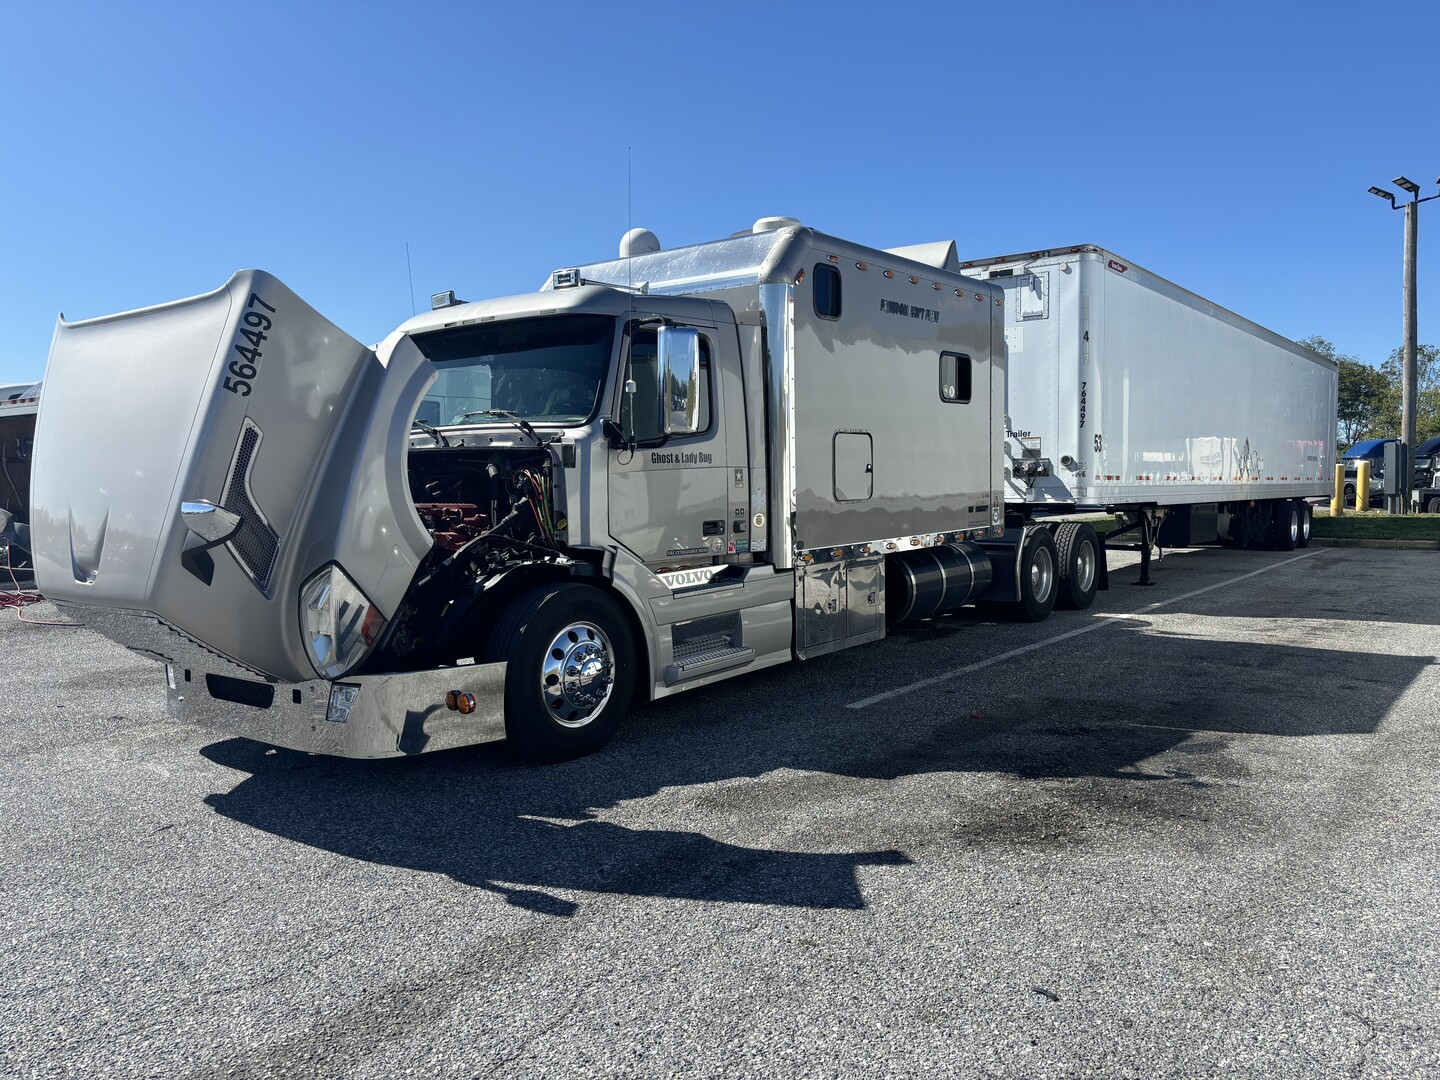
[
  {"x": 1039, "y": 576},
  {"x": 1285, "y": 520},
  {"x": 1077, "y": 551},
  {"x": 1290, "y": 524}
]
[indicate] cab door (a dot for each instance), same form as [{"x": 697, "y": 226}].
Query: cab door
[{"x": 669, "y": 496}]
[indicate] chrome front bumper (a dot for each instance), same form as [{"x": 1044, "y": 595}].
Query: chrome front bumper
[{"x": 367, "y": 716}]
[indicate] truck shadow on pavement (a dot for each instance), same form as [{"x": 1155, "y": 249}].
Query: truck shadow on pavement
[{"x": 777, "y": 760}]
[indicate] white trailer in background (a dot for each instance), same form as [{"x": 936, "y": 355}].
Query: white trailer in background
[{"x": 1129, "y": 393}]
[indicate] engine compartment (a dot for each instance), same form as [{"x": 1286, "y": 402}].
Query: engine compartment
[{"x": 493, "y": 513}]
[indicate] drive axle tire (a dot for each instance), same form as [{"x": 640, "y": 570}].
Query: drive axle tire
[
  {"x": 1038, "y": 577},
  {"x": 571, "y": 671},
  {"x": 1077, "y": 555}
]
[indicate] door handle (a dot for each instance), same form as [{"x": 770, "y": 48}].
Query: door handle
[{"x": 714, "y": 528}]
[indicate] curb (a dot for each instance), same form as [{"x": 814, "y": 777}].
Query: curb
[{"x": 1388, "y": 545}]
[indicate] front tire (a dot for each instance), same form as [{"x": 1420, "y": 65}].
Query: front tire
[
  {"x": 1077, "y": 551},
  {"x": 571, "y": 671},
  {"x": 1432, "y": 505}
]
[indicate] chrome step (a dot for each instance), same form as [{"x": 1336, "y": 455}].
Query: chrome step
[{"x": 704, "y": 655}]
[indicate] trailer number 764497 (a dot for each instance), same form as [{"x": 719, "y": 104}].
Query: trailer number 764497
[{"x": 241, "y": 373}]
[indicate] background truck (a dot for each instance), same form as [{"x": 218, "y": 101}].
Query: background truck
[
  {"x": 19, "y": 404},
  {"x": 512, "y": 517}
]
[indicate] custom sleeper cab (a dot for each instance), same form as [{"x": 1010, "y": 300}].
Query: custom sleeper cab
[{"x": 512, "y": 518}]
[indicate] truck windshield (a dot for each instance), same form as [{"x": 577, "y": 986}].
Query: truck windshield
[{"x": 549, "y": 370}]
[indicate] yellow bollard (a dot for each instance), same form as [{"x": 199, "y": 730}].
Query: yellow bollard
[
  {"x": 1337, "y": 500},
  {"x": 1362, "y": 485}
]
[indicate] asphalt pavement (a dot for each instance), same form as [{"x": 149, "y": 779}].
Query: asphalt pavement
[{"x": 1193, "y": 831}]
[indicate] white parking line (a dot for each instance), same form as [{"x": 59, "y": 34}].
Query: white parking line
[{"x": 1102, "y": 621}]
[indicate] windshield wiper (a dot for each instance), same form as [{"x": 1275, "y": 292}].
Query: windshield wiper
[
  {"x": 440, "y": 439},
  {"x": 520, "y": 422}
]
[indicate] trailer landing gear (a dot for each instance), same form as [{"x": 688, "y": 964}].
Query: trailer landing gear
[
  {"x": 1146, "y": 539},
  {"x": 1147, "y": 527}
]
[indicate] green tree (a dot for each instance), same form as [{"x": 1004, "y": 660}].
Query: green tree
[
  {"x": 1363, "y": 393},
  {"x": 1427, "y": 400}
]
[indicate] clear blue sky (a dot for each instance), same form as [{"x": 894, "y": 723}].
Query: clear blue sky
[{"x": 149, "y": 150}]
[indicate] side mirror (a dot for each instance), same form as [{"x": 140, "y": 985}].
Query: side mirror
[{"x": 679, "y": 354}]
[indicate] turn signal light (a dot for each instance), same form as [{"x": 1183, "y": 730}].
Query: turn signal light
[{"x": 459, "y": 701}]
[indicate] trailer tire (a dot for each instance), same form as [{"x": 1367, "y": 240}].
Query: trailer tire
[
  {"x": 571, "y": 671},
  {"x": 1285, "y": 524},
  {"x": 1077, "y": 555},
  {"x": 1038, "y": 577},
  {"x": 1307, "y": 516}
]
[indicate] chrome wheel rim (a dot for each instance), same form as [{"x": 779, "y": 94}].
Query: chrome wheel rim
[
  {"x": 1042, "y": 575},
  {"x": 1294, "y": 525},
  {"x": 1305, "y": 525},
  {"x": 1085, "y": 566},
  {"x": 578, "y": 675}
]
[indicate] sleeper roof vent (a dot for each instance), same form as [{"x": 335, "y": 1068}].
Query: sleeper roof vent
[
  {"x": 770, "y": 224},
  {"x": 639, "y": 242},
  {"x": 940, "y": 254}
]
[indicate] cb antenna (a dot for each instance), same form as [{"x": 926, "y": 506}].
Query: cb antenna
[
  {"x": 411, "y": 275},
  {"x": 629, "y": 224}
]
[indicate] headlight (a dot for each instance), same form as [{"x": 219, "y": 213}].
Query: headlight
[{"x": 340, "y": 624}]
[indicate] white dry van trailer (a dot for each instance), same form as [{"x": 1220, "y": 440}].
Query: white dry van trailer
[
  {"x": 513, "y": 517},
  {"x": 1129, "y": 393}
]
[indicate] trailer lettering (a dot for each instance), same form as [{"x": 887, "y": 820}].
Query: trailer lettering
[
  {"x": 1082, "y": 404},
  {"x": 243, "y": 371},
  {"x": 908, "y": 311}
]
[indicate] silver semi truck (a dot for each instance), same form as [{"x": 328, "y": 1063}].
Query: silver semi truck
[{"x": 512, "y": 518}]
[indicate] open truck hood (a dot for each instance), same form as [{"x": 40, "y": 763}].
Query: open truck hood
[{"x": 301, "y": 434}]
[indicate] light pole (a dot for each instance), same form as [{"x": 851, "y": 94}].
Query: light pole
[{"x": 1407, "y": 356}]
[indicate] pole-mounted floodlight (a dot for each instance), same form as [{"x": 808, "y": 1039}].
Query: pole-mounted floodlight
[{"x": 1408, "y": 382}]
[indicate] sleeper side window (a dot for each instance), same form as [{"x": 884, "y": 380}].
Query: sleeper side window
[
  {"x": 954, "y": 377},
  {"x": 827, "y": 291}
]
